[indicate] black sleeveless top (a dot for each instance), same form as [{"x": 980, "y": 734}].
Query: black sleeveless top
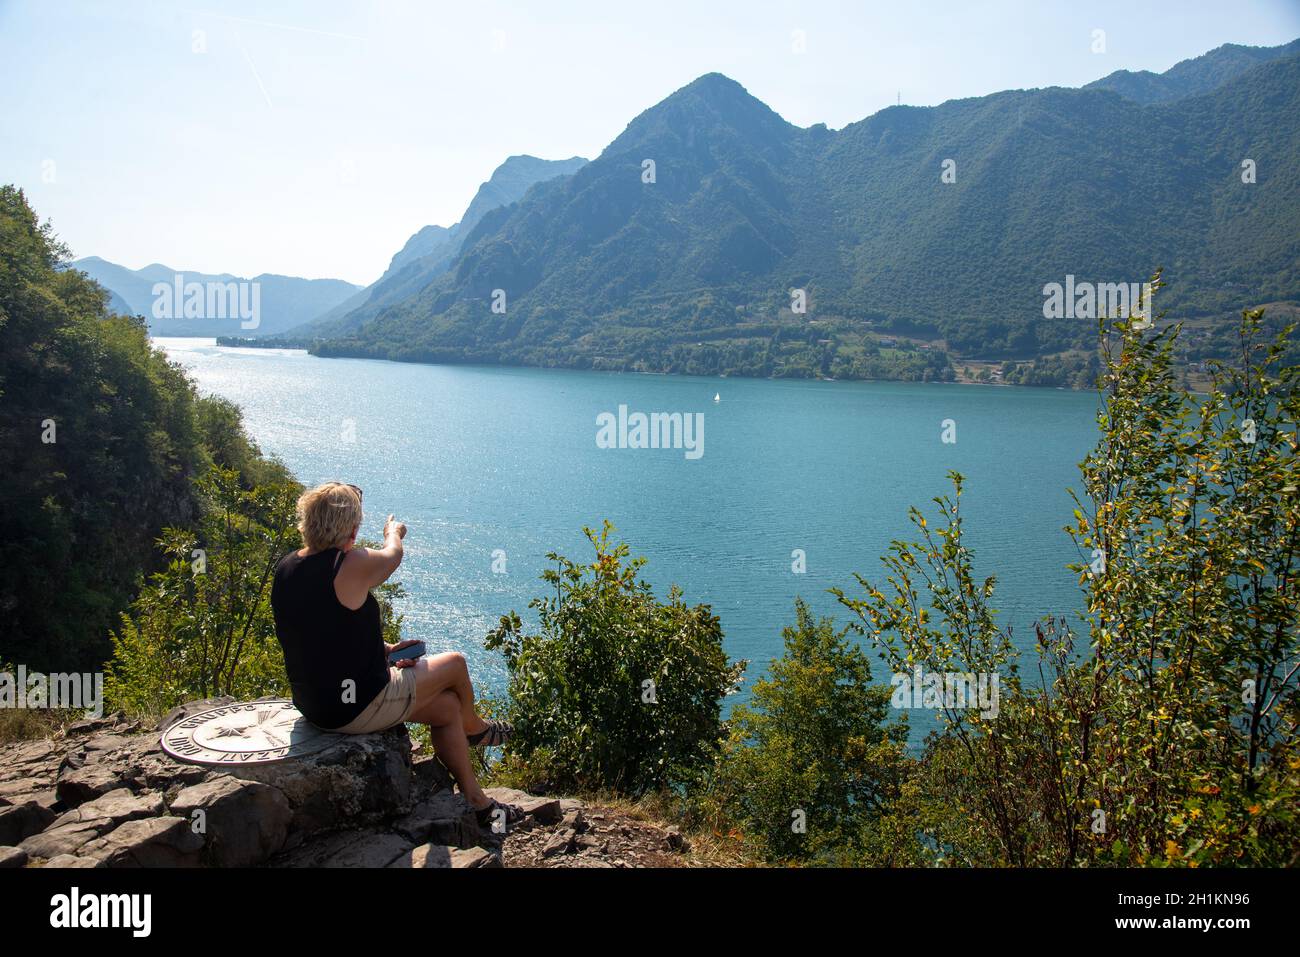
[{"x": 326, "y": 643}]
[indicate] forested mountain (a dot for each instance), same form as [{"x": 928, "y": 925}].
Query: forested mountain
[
  {"x": 283, "y": 301},
  {"x": 427, "y": 254},
  {"x": 691, "y": 269},
  {"x": 1188, "y": 78}
]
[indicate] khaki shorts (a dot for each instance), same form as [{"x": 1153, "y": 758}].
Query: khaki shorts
[{"x": 390, "y": 707}]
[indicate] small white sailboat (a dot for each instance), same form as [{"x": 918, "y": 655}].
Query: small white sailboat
[{"x": 717, "y": 397}]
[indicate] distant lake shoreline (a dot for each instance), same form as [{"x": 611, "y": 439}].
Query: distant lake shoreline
[{"x": 239, "y": 342}]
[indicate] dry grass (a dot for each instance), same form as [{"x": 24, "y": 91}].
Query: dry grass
[
  {"x": 708, "y": 848},
  {"x": 30, "y": 724}
]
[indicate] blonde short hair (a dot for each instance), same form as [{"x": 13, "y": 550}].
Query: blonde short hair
[{"x": 328, "y": 515}]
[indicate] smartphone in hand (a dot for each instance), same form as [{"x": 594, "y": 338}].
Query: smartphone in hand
[{"x": 410, "y": 651}]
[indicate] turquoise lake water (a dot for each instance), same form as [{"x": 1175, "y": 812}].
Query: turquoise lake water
[{"x": 478, "y": 459}]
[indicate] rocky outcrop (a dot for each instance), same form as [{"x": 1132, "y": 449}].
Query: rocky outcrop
[
  {"x": 106, "y": 795},
  {"x": 569, "y": 833}
]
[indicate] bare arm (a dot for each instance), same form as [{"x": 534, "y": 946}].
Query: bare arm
[{"x": 364, "y": 568}]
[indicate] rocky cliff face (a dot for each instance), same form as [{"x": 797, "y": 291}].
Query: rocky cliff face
[{"x": 107, "y": 795}]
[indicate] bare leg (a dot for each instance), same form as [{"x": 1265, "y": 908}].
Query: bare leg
[
  {"x": 448, "y": 672},
  {"x": 442, "y": 714}
]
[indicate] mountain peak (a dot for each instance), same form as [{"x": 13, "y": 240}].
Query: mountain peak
[
  {"x": 709, "y": 102},
  {"x": 1193, "y": 76},
  {"x": 720, "y": 91},
  {"x": 535, "y": 168},
  {"x": 714, "y": 80}
]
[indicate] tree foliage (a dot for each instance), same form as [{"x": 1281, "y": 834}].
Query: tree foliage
[
  {"x": 100, "y": 439},
  {"x": 1162, "y": 728},
  {"x": 202, "y": 626},
  {"x": 616, "y": 689},
  {"x": 811, "y": 766}
]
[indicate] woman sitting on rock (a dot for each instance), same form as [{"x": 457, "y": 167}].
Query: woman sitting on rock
[{"x": 329, "y": 626}]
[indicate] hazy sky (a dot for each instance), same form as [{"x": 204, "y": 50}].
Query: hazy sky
[{"x": 312, "y": 138}]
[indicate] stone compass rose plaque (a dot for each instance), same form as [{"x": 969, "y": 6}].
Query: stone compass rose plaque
[{"x": 252, "y": 733}]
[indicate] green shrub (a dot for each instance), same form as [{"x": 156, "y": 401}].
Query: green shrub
[
  {"x": 810, "y": 766},
  {"x": 202, "y": 626},
  {"x": 1164, "y": 729},
  {"x": 616, "y": 690}
]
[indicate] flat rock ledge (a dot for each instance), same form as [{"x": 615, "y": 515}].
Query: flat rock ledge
[{"x": 106, "y": 795}]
